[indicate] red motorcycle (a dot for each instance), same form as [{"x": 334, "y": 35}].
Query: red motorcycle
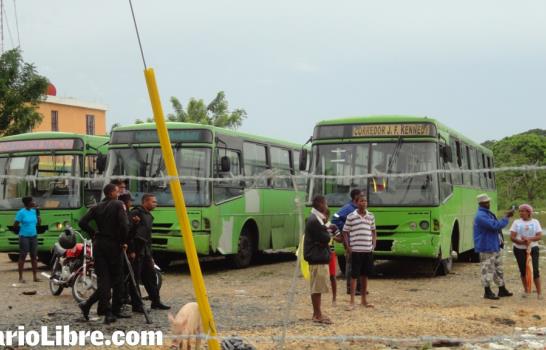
[{"x": 72, "y": 266}]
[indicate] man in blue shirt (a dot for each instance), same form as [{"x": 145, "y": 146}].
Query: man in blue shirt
[
  {"x": 488, "y": 242},
  {"x": 339, "y": 220},
  {"x": 26, "y": 220}
]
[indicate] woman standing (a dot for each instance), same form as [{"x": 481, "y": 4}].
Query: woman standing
[
  {"x": 525, "y": 233},
  {"x": 26, "y": 220}
]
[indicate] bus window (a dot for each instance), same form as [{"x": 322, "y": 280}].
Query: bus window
[
  {"x": 484, "y": 174},
  {"x": 467, "y": 178},
  {"x": 229, "y": 188},
  {"x": 92, "y": 189},
  {"x": 280, "y": 164},
  {"x": 474, "y": 166},
  {"x": 491, "y": 174},
  {"x": 255, "y": 161},
  {"x": 339, "y": 160},
  {"x": 455, "y": 164}
]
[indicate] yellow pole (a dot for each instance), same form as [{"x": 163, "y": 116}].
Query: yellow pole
[{"x": 185, "y": 229}]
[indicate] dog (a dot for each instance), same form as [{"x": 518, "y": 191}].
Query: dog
[{"x": 187, "y": 322}]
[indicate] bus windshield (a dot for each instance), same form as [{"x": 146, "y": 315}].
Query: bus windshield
[
  {"x": 377, "y": 158},
  {"x": 148, "y": 162},
  {"x": 48, "y": 192}
]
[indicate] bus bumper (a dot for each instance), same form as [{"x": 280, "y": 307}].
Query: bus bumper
[
  {"x": 9, "y": 242},
  {"x": 174, "y": 243},
  {"x": 405, "y": 244}
]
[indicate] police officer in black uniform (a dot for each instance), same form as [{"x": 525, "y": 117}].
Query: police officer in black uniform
[
  {"x": 140, "y": 251},
  {"x": 109, "y": 241}
]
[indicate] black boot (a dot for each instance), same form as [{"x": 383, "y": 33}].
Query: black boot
[
  {"x": 503, "y": 292},
  {"x": 85, "y": 310},
  {"x": 158, "y": 305},
  {"x": 489, "y": 294}
]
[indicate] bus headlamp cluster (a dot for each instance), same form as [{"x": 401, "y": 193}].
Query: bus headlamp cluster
[
  {"x": 413, "y": 226},
  {"x": 195, "y": 224},
  {"x": 424, "y": 225},
  {"x": 61, "y": 225}
]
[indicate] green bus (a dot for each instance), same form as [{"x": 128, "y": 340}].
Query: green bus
[
  {"x": 48, "y": 157},
  {"x": 428, "y": 215},
  {"x": 229, "y": 216}
]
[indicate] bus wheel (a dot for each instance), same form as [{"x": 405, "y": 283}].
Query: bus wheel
[
  {"x": 45, "y": 258},
  {"x": 14, "y": 257},
  {"x": 341, "y": 261},
  {"x": 445, "y": 266},
  {"x": 245, "y": 252}
]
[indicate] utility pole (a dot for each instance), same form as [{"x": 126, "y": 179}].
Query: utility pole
[{"x": 1, "y": 26}]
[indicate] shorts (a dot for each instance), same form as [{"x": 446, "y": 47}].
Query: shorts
[
  {"x": 361, "y": 264},
  {"x": 521, "y": 256},
  {"x": 28, "y": 245},
  {"x": 319, "y": 278},
  {"x": 332, "y": 264}
]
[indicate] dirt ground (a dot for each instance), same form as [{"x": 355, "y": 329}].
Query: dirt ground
[{"x": 252, "y": 302}]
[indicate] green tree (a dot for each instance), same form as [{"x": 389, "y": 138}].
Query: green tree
[
  {"x": 21, "y": 89},
  {"x": 528, "y": 148},
  {"x": 216, "y": 113}
]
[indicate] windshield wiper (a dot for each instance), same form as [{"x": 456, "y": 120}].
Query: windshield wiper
[{"x": 394, "y": 155}]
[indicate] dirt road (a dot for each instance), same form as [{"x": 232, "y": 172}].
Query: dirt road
[{"x": 252, "y": 301}]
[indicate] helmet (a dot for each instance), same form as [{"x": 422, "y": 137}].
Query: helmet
[{"x": 67, "y": 239}]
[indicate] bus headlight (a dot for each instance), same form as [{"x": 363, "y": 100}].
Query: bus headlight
[
  {"x": 424, "y": 225},
  {"x": 195, "y": 224},
  {"x": 59, "y": 226},
  {"x": 413, "y": 226}
]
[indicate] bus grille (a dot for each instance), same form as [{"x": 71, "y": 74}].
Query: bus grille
[{"x": 384, "y": 245}]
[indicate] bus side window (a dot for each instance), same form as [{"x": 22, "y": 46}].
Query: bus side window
[
  {"x": 280, "y": 163},
  {"x": 483, "y": 175},
  {"x": 229, "y": 188},
  {"x": 474, "y": 166},
  {"x": 255, "y": 163},
  {"x": 456, "y": 163},
  {"x": 490, "y": 165}
]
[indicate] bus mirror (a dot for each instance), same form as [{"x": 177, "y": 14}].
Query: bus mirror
[
  {"x": 101, "y": 163},
  {"x": 303, "y": 160},
  {"x": 447, "y": 155},
  {"x": 225, "y": 164}
]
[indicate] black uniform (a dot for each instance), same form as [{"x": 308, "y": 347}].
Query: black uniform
[
  {"x": 143, "y": 265},
  {"x": 112, "y": 231}
]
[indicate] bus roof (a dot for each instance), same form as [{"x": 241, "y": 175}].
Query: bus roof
[
  {"x": 401, "y": 119},
  {"x": 92, "y": 140},
  {"x": 214, "y": 129}
]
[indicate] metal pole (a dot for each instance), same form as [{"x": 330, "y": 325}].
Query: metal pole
[{"x": 185, "y": 229}]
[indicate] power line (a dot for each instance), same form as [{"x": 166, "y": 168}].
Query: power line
[
  {"x": 5, "y": 14},
  {"x": 138, "y": 35}
]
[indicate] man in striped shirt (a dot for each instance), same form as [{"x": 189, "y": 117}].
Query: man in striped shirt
[{"x": 360, "y": 232}]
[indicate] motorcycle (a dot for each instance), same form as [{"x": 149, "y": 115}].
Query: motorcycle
[{"x": 72, "y": 267}]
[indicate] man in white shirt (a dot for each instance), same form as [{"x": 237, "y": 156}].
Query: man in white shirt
[{"x": 360, "y": 231}]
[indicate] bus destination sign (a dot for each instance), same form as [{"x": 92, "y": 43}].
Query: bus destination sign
[
  {"x": 39, "y": 145},
  {"x": 375, "y": 130}
]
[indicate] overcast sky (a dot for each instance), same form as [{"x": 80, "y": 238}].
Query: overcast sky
[{"x": 477, "y": 66}]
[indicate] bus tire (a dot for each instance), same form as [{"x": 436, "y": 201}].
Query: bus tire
[
  {"x": 245, "y": 252},
  {"x": 445, "y": 266},
  {"x": 13, "y": 257},
  {"x": 342, "y": 262},
  {"x": 162, "y": 260}
]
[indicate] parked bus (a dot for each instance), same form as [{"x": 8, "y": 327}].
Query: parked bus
[
  {"x": 230, "y": 217},
  {"x": 48, "y": 156},
  {"x": 427, "y": 216}
]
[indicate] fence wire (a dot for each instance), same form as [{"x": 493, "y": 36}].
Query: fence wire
[{"x": 283, "y": 338}]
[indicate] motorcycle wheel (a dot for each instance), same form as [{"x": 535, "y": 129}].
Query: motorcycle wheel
[
  {"x": 84, "y": 286},
  {"x": 54, "y": 287}
]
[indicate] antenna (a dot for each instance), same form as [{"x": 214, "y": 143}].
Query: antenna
[{"x": 1, "y": 26}]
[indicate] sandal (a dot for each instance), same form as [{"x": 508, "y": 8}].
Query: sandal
[
  {"x": 367, "y": 305},
  {"x": 349, "y": 308}
]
